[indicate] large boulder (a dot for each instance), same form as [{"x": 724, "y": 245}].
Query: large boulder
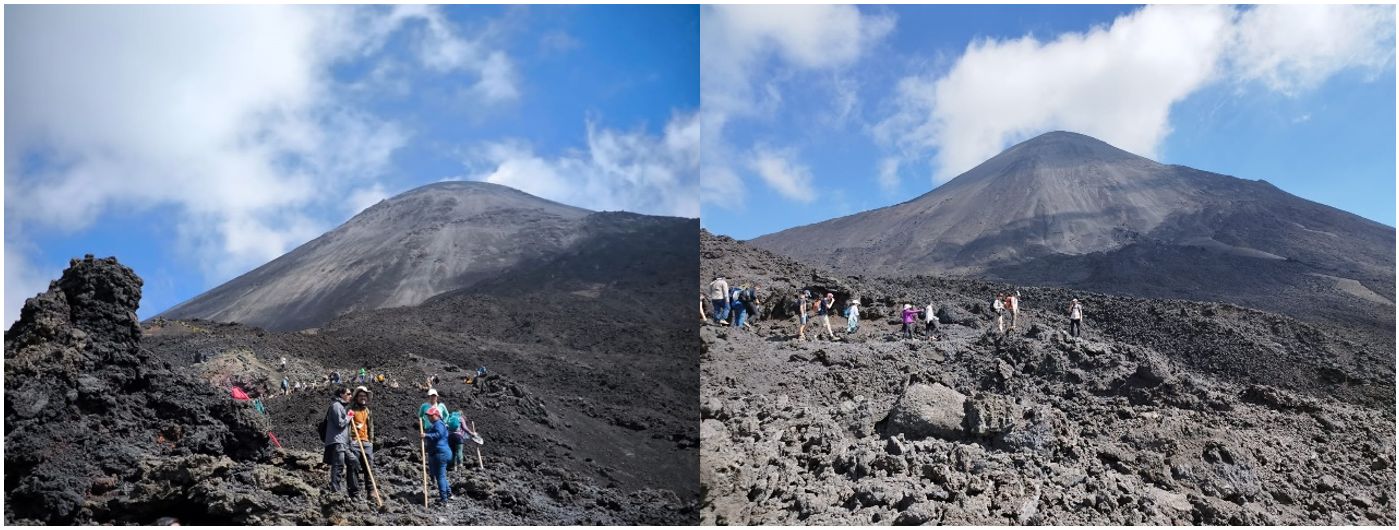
[
  {"x": 926, "y": 410},
  {"x": 950, "y": 314}
]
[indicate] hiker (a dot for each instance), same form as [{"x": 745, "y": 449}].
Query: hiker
[
  {"x": 910, "y": 315},
  {"x": 703, "y": 317},
  {"x": 803, "y": 300},
  {"x": 379, "y": 379},
  {"x": 930, "y": 320},
  {"x": 362, "y": 431},
  {"x": 439, "y": 453},
  {"x": 335, "y": 378},
  {"x": 1075, "y": 318},
  {"x": 297, "y": 388},
  {"x": 363, "y": 376},
  {"x": 286, "y": 385},
  {"x": 750, "y": 301},
  {"x": 456, "y": 435},
  {"x": 337, "y": 440},
  {"x": 736, "y": 307},
  {"x": 719, "y": 299},
  {"x": 1014, "y": 307},
  {"x": 433, "y": 402},
  {"x": 999, "y": 308},
  {"x": 852, "y": 317},
  {"x": 284, "y": 363},
  {"x": 828, "y": 305}
]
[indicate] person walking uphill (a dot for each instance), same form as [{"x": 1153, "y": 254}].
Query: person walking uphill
[
  {"x": 828, "y": 306},
  {"x": 719, "y": 299},
  {"x": 803, "y": 313},
  {"x": 337, "y": 440},
  {"x": 852, "y": 317},
  {"x": 439, "y": 453},
  {"x": 1075, "y": 318},
  {"x": 910, "y": 315},
  {"x": 1014, "y": 307},
  {"x": 999, "y": 308}
]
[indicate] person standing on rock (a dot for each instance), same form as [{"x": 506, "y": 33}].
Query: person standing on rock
[
  {"x": 433, "y": 402},
  {"x": 852, "y": 317},
  {"x": 1014, "y": 308},
  {"x": 362, "y": 432},
  {"x": 930, "y": 321},
  {"x": 719, "y": 299},
  {"x": 1075, "y": 318},
  {"x": 439, "y": 453},
  {"x": 910, "y": 315},
  {"x": 998, "y": 307},
  {"x": 337, "y": 440},
  {"x": 828, "y": 306}
]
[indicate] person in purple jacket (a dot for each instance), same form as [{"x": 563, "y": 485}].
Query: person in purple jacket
[
  {"x": 439, "y": 453},
  {"x": 910, "y": 316}
]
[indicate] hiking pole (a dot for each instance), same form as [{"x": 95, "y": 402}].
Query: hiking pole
[
  {"x": 369, "y": 469},
  {"x": 422, "y": 442},
  {"x": 480, "y": 464}
]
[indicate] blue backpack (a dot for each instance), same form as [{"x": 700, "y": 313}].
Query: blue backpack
[{"x": 454, "y": 421}]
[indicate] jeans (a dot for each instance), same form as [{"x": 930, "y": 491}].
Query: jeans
[
  {"x": 721, "y": 309},
  {"x": 437, "y": 466},
  {"x": 739, "y": 316},
  {"x": 335, "y": 455}
]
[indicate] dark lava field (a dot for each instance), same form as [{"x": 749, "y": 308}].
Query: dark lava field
[{"x": 1162, "y": 412}]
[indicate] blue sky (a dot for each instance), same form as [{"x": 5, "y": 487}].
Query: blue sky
[
  {"x": 813, "y": 112},
  {"x": 196, "y": 143}
]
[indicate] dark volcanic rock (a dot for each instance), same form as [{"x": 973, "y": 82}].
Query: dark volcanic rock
[{"x": 928, "y": 410}]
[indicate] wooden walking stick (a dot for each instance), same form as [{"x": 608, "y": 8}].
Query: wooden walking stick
[
  {"x": 423, "y": 444},
  {"x": 480, "y": 464},
  {"x": 370, "y": 471}
]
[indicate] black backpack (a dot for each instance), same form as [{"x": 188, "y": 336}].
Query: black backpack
[
  {"x": 746, "y": 295},
  {"x": 320, "y": 430}
]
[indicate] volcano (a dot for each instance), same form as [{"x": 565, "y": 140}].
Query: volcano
[
  {"x": 1068, "y": 210},
  {"x": 428, "y": 241}
]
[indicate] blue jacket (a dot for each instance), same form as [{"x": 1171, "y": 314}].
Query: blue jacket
[{"x": 437, "y": 438}]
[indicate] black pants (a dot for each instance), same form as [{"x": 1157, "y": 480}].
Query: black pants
[
  {"x": 338, "y": 457},
  {"x": 930, "y": 328},
  {"x": 1075, "y": 326},
  {"x": 908, "y": 330}
]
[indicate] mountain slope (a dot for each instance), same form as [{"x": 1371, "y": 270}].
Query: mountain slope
[
  {"x": 1069, "y": 210},
  {"x": 404, "y": 250}
]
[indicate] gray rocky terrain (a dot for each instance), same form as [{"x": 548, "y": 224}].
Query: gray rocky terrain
[
  {"x": 1163, "y": 412},
  {"x": 400, "y": 252},
  {"x": 1067, "y": 210}
]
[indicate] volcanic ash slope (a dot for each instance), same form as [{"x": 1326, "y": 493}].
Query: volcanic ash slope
[{"x": 1165, "y": 412}]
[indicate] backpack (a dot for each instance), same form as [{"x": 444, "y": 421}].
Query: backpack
[
  {"x": 320, "y": 429},
  {"x": 454, "y": 421},
  {"x": 746, "y": 295}
]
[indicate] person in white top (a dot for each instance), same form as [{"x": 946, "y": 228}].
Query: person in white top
[
  {"x": 1075, "y": 318},
  {"x": 719, "y": 298},
  {"x": 930, "y": 321},
  {"x": 852, "y": 317},
  {"x": 1014, "y": 308},
  {"x": 999, "y": 309}
]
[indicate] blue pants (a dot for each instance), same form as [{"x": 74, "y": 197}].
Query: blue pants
[
  {"x": 721, "y": 309},
  {"x": 739, "y": 315},
  {"x": 437, "y": 466},
  {"x": 852, "y": 324}
]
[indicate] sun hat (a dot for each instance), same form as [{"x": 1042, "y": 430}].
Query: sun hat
[{"x": 432, "y": 391}]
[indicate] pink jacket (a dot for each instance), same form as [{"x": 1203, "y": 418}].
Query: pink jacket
[{"x": 910, "y": 315}]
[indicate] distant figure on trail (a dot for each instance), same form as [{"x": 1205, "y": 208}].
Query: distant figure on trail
[
  {"x": 998, "y": 307},
  {"x": 433, "y": 403},
  {"x": 736, "y": 307},
  {"x": 828, "y": 306},
  {"x": 803, "y": 313},
  {"x": 1014, "y": 306},
  {"x": 750, "y": 301},
  {"x": 297, "y": 387},
  {"x": 438, "y": 453},
  {"x": 284, "y": 363},
  {"x": 719, "y": 299},
  {"x": 393, "y": 383},
  {"x": 910, "y": 315},
  {"x": 337, "y": 440},
  {"x": 852, "y": 317},
  {"x": 930, "y": 321},
  {"x": 379, "y": 379},
  {"x": 335, "y": 378},
  {"x": 362, "y": 430},
  {"x": 286, "y": 386},
  {"x": 1075, "y": 318}
]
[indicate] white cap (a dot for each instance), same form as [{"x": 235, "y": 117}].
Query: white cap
[{"x": 432, "y": 391}]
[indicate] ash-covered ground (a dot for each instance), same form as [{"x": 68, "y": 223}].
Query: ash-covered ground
[
  {"x": 1163, "y": 412},
  {"x": 588, "y": 411}
]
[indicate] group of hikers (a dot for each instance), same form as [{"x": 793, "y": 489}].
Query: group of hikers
[
  {"x": 290, "y": 386},
  {"x": 736, "y": 306},
  {"x": 349, "y": 442}
]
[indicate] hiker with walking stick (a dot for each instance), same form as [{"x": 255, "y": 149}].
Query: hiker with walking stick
[
  {"x": 436, "y": 436},
  {"x": 362, "y": 433},
  {"x": 336, "y": 438}
]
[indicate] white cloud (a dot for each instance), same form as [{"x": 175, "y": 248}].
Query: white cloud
[
  {"x": 889, "y": 174},
  {"x": 632, "y": 171},
  {"x": 737, "y": 42},
  {"x": 22, "y": 279},
  {"x": 363, "y": 198},
  {"x": 228, "y": 114},
  {"x": 1293, "y": 48},
  {"x": 1119, "y": 82},
  {"x": 777, "y": 168}
]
